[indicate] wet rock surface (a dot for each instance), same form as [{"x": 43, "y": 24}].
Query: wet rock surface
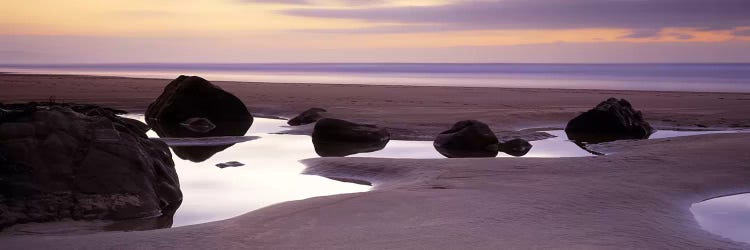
[
  {"x": 334, "y": 137},
  {"x": 190, "y": 96},
  {"x": 469, "y": 138},
  {"x": 515, "y": 147},
  {"x": 306, "y": 117},
  {"x": 191, "y": 107},
  {"x": 82, "y": 162},
  {"x": 613, "y": 119}
]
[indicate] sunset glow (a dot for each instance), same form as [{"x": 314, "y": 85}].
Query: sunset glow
[{"x": 323, "y": 30}]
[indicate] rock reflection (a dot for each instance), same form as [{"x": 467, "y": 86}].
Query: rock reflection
[
  {"x": 164, "y": 221},
  {"x": 593, "y": 138},
  {"x": 339, "y": 149},
  {"x": 202, "y": 152}
]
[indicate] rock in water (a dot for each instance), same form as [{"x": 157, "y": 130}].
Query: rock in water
[
  {"x": 469, "y": 138},
  {"x": 613, "y": 119},
  {"x": 334, "y": 137},
  {"x": 191, "y": 96},
  {"x": 515, "y": 147},
  {"x": 199, "y": 153},
  {"x": 230, "y": 164},
  {"x": 198, "y": 124},
  {"x": 308, "y": 116},
  {"x": 59, "y": 163}
]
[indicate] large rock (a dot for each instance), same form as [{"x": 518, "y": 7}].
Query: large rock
[
  {"x": 190, "y": 96},
  {"x": 469, "y": 138},
  {"x": 613, "y": 119},
  {"x": 308, "y": 116},
  {"x": 334, "y": 137},
  {"x": 59, "y": 161}
]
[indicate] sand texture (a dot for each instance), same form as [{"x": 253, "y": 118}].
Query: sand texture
[{"x": 636, "y": 197}]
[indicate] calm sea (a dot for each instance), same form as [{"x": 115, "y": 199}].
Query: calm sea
[{"x": 671, "y": 77}]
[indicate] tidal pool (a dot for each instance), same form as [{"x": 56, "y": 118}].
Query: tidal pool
[
  {"x": 225, "y": 176},
  {"x": 271, "y": 173},
  {"x": 727, "y": 216}
]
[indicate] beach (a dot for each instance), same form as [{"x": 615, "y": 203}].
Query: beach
[
  {"x": 409, "y": 112},
  {"x": 637, "y": 196}
]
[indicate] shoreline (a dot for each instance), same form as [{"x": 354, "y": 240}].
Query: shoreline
[
  {"x": 637, "y": 197},
  {"x": 408, "y": 112},
  {"x": 374, "y": 85}
]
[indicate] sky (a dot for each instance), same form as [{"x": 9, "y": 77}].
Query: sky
[{"x": 263, "y": 31}]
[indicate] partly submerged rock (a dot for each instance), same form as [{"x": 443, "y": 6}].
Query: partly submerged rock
[
  {"x": 198, "y": 124},
  {"x": 170, "y": 131},
  {"x": 191, "y": 96},
  {"x": 58, "y": 162},
  {"x": 308, "y": 116},
  {"x": 334, "y": 137},
  {"x": 469, "y": 138},
  {"x": 515, "y": 147},
  {"x": 613, "y": 119}
]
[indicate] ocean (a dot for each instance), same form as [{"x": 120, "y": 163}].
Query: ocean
[{"x": 661, "y": 77}]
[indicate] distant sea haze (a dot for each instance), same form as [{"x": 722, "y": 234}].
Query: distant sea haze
[{"x": 665, "y": 77}]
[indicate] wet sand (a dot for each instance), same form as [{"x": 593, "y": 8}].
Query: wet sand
[
  {"x": 408, "y": 112},
  {"x": 636, "y": 197}
]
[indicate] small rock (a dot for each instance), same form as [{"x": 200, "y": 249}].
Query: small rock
[
  {"x": 469, "y": 138},
  {"x": 308, "y": 116},
  {"x": 515, "y": 147},
  {"x": 230, "y": 164}
]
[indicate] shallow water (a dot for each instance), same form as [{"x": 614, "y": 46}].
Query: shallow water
[
  {"x": 728, "y": 216},
  {"x": 272, "y": 172}
]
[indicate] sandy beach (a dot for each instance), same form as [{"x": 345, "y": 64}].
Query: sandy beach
[
  {"x": 415, "y": 113},
  {"x": 636, "y": 197}
]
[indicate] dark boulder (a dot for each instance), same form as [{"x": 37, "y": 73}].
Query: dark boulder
[
  {"x": 60, "y": 163},
  {"x": 308, "y": 116},
  {"x": 613, "y": 119},
  {"x": 334, "y": 137},
  {"x": 191, "y": 96},
  {"x": 515, "y": 147},
  {"x": 469, "y": 138}
]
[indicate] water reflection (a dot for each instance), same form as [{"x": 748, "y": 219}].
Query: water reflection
[
  {"x": 589, "y": 138},
  {"x": 582, "y": 140},
  {"x": 272, "y": 172},
  {"x": 728, "y": 216},
  {"x": 204, "y": 152},
  {"x": 333, "y": 148},
  {"x": 166, "y": 220}
]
